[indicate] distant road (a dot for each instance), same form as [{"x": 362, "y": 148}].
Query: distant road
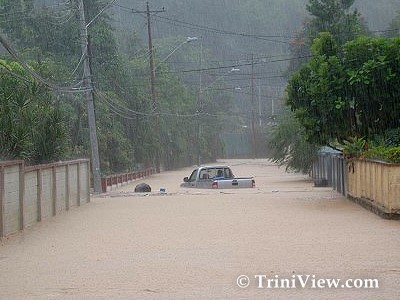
[{"x": 204, "y": 244}]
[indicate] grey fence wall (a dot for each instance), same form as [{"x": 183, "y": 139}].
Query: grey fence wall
[
  {"x": 329, "y": 169},
  {"x": 30, "y": 194}
]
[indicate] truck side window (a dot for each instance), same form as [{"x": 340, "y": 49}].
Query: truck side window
[
  {"x": 205, "y": 174},
  {"x": 228, "y": 173}
]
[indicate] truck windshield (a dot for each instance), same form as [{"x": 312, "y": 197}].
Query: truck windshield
[{"x": 193, "y": 176}]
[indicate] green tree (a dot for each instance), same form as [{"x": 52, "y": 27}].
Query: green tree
[
  {"x": 351, "y": 94},
  {"x": 373, "y": 79},
  {"x": 32, "y": 127},
  {"x": 333, "y": 16},
  {"x": 394, "y": 27},
  {"x": 287, "y": 145},
  {"x": 317, "y": 94}
]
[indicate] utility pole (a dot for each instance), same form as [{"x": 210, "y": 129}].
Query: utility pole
[
  {"x": 153, "y": 89},
  {"x": 87, "y": 81},
  {"x": 200, "y": 106},
  {"x": 259, "y": 104},
  {"x": 253, "y": 127}
]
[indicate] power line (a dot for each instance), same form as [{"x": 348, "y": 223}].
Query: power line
[
  {"x": 190, "y": 25},
  {"x": 210, "y": 29},
  {"x": 11, "y": 13},
  {"x": 240, "y": 65},
  {"x": 122, "y": 108},
  {"x": 127, "y": 113},
  {"x": 101, "y": 11},
  {"x": 219, "y": 31},
  {"x": 35, "y": 75},
  {"x": 14, "y": 74},
  {"x": 119, "y": 110},
  {"x": 238, "y": 60},
  {"x": 62, "y": 19}
]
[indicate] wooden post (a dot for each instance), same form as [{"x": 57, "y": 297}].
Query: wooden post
[
  {"x": 67, "y": 187},
  {"x": 88, "y": 182},
  {"x": 39, "y": 192},
  {"x": 21, "y": 195},
  {"x": 54, "y": 190},
  {"x": 2, "y": 225},
  {"x": 78, "y": 183}
]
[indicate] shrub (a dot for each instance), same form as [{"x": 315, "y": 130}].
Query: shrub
[{"x": 388, "y": 154}]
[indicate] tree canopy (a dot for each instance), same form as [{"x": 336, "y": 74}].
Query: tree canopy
[
  {"x": 351, "y": 93},
  {"x": 347, "y": 87},
  {"x": 125, "y": 116},
  {"x": 32, "y": 125}
]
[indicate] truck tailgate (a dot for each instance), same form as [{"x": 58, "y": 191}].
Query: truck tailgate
[{"x": 233, "y": 183}]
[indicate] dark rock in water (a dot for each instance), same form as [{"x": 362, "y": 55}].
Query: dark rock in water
[{"x": 142, "y": 188}]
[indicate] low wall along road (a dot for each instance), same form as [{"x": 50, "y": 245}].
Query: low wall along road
[
  {"x": 29, "y": 194},
  {"x": 284, "y": 239}
]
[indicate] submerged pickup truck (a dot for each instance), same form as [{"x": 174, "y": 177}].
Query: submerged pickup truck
[{"x": 216, "y": 177}]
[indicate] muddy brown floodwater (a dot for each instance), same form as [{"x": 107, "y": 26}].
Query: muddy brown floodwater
[{"x": 202, "y": 244}]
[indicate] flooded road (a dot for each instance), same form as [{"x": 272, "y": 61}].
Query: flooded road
[{"x": 284, "y": 239}]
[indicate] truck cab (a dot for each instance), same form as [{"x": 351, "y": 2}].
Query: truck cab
[{"x": 215, "y": 177}]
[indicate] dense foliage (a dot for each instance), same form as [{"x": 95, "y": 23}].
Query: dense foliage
[
  {"x": 127, "y": 124},
  {"x": 32, "y": 125},
  {"x": 52, "y": 124},
  {"x": 334, "y": 16},
  {"x": 359, "y": 148},
  {"x": 315, "y": 92},
  {"x": 394, "y": 27},
  {"x": 287, "y": 145},
  {"x": 349, "y": 91}
]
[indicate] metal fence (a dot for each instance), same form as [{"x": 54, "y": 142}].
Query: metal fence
[
  {"x": 113, "y": 181},
  {"x": 329, "y": 170}
]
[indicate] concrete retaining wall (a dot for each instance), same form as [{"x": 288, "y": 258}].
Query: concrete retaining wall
[
  {"x": 31, "y": 194},
  {"x": 376, "y": 186}
]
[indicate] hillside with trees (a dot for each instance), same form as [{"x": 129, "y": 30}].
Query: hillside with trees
[
  {"x": 346, "y": 94},
  {"x": 230, "y": 79}
]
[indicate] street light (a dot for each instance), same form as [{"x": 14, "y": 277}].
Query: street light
[
  {"x": 153, "y": 89},
  {"x": 201, "y": 108},
  {"x": 188, "y": 40},
  {"x": 220, "y": 77}
]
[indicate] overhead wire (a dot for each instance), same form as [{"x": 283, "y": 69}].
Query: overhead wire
[
  {"x": 219, "y": 31},
  {"x": 121, "y": 111},
  {"x": 127, "y": 113},
  {"x": 101, "y": 11},
  {"x": 116, "y": 108},
  {"x": 209, "y": 29},
  {"x": 240, "y": 65},
  {"x": 14, "y": 74},
  {"x": 35, "y": 75}
]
